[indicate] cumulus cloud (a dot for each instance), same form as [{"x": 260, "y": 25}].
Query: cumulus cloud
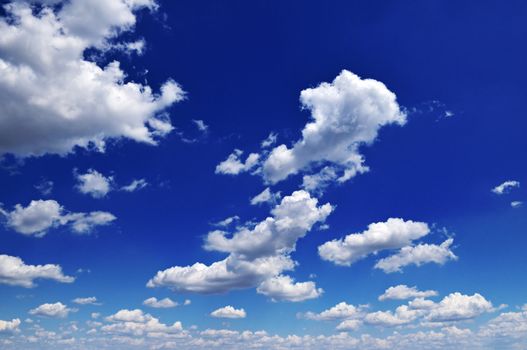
[
  {"x": 505, "y": 187},
  {"x": 402, "y": 292},
  {"x": 228, "y": 312},
  {"x": 346, "y": 114},
  {"x": 135, "y": 185},
  {"x": 94, "y": 183},
  {"x": 41, "y": 215},
  {"x": 160, "y": 304},
  {"x": 9, "y": 326},
  {"x": 233, "y": 165},
  {"x": 54, "y": 99},
  {"x": 284, "y": 288},
  {"x": 266, "y": 196},
  {"x": 86, "y": 301},
  {"x": 56, "y": 310},
  {"x": 255, "y": 254},
  {"x": 417, "y": 255},
  {"x": 137, "y": 323},
  {"x": 340, "y": 311},
  {"x": 402, "y": 315},
  {"x": 392, "y": 234},
  {"x": 457, "y": 306},
  {"x": 14, "y": 272}
]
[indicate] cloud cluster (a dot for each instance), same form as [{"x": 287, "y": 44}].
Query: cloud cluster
[
  {"x": 234, "y": 165},
  {"x": 41, "y": 215},
  {"x": 284, "y": 288},
  {"x": 256, "y": 254},
  {"x": 402, "y": 292},
  {"x": 86, "y": 301},
  {"x": 395, "y": 233},
  {"x": 14, "y": 272},
  {"x": 9, "y": 326},
  {"x": 160, "y": 304},
  {"x": 137, "y": 323},
  {"x": 54, "y": 99}
]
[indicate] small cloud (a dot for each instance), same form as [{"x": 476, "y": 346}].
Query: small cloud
[
  {"x": 506, "y": 187},
  {"x": 45, "y": 187},
  {"x": 200, "y": 124},
  {"x": 135, "y": 185},
  {"x": 227, "y": 221},
  {"x": 516, "y": 204}
]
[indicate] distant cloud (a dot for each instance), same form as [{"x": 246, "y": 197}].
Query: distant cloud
[
  {"x": 15, "y": 272},
  {"x": 233, "y": 165},
  {"x": 270, "y": 140},
  {"x": 136, "y": 322},
  {"x": 266, "y": 196},
  {"x": 228, "y": 312},
  {"x": 135, "y": 185},
  {"x": 200, "y": 124},
  {"x": 160, "y": 304},
  {"x": 9, "y": 326},
  {"x": 94, "y": 183},
  {"x": 45, "y": 187},
  {"x": 506, "y": 187},
  {"x": 402, "y": 292},
  {"x": 86, "y": 301},
  {"x": 41, "y": 215},
  {"x": 516, "y": 204},
  {"x": 56, "y": 310},
  {"x": 227, "y": 221}
]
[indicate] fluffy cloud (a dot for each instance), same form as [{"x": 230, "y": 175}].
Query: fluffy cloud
[
  {"x": 94, "y": 183},
  {"x": 135, "y": 185},
  {"x": 41, "y": 215},
  {"x": 349, "y": 325},
  {"x": 456, "y": 307},
  {"x": 402, "y": 292},
  {"x": 255, "y": 254},
  {"x": 54, "y": 99},
  {"x": 347, "y": 114},
  {"x": 340, "y": 311},
  {"x": 57, "y": 310},
  {"x": 505, "y": 187},
  {"x": 418, "y": 255},
  {"x": 402, "y": 315},
  {"x": 137, "y": 323},
  {"x": 160, "y": 304},
  {"x": 392, "y": 234},
  {"x": 9, "y": 326},
  {"x": 228, "y": 312},
  {"x": 284, "y": 288},
  {"x": 14, "y": 272},
  {"x": 266, "y": 196},
  {"x": 233, "y": 165},
  {"x": 85, "y": 301}
]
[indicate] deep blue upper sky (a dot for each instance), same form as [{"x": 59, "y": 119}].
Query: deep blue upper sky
[{"x": 243, "y": 65}]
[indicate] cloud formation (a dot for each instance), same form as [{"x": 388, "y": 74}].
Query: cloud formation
[
  {"x": 55, "y": 310},
  {"x": 505, "y": 187},
  {"x": 228, "y": 312},
  {"x": 14, "y": 272},
  {"x": 402, "y": 292},
  {"x": 54, "y": 99}
]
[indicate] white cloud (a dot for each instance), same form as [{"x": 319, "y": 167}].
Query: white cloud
[
  {"x": 347, "y": 114},
  {"x": 270, "y": 140},
  {"x": 45, "y": 187},
  {"x": 516, "y": 204},
  {"x": 266, "y": 196},
  {"x": 506, "y": 187},
  {"x": 417, "y": 255},
  {"x": 233, "y": 165},
  {"x": 227, "y": 221},
  {"x": 137, "y": 323},
  {"x": 14, "y": 272},
  {"x": 85, "y": 301},
  {"x": 135, "y": 185},
  {"x": 456, "y": 307},
  {"x": 187, "y": 302},
  {"x": 341, "y": 311},
  {"x": 402, "y": 315},
  {"x": 54, "y": 99},
  {"x": 228, "y": 312},
  {"x": 41, "y": 215},
  {"x": 160, "y": 304},
  {"x": 255, "y": 254},
  {"x": 392, "y": 234},
  {"x": 402, "y": 292},
  {"x": 349, "y": 325},
  {"x": 200, "y": 124},
  {"x": 94, "y": 183},
  {"x": 57, "y": 310},
  {"x": 9, "y": 326},
  {"x": 284, "y": 288}
]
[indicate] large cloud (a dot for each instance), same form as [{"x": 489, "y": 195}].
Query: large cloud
[
  {"x": 392, "y": 234},
  {"x": 54, "y": 99},
  {"x": 255, "y": 254},
  {"x": 41, "y": 215},
  {"x": 14, "y": 272}
]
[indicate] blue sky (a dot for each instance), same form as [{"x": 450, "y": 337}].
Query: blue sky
[{"x": 345, "y": 175}]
